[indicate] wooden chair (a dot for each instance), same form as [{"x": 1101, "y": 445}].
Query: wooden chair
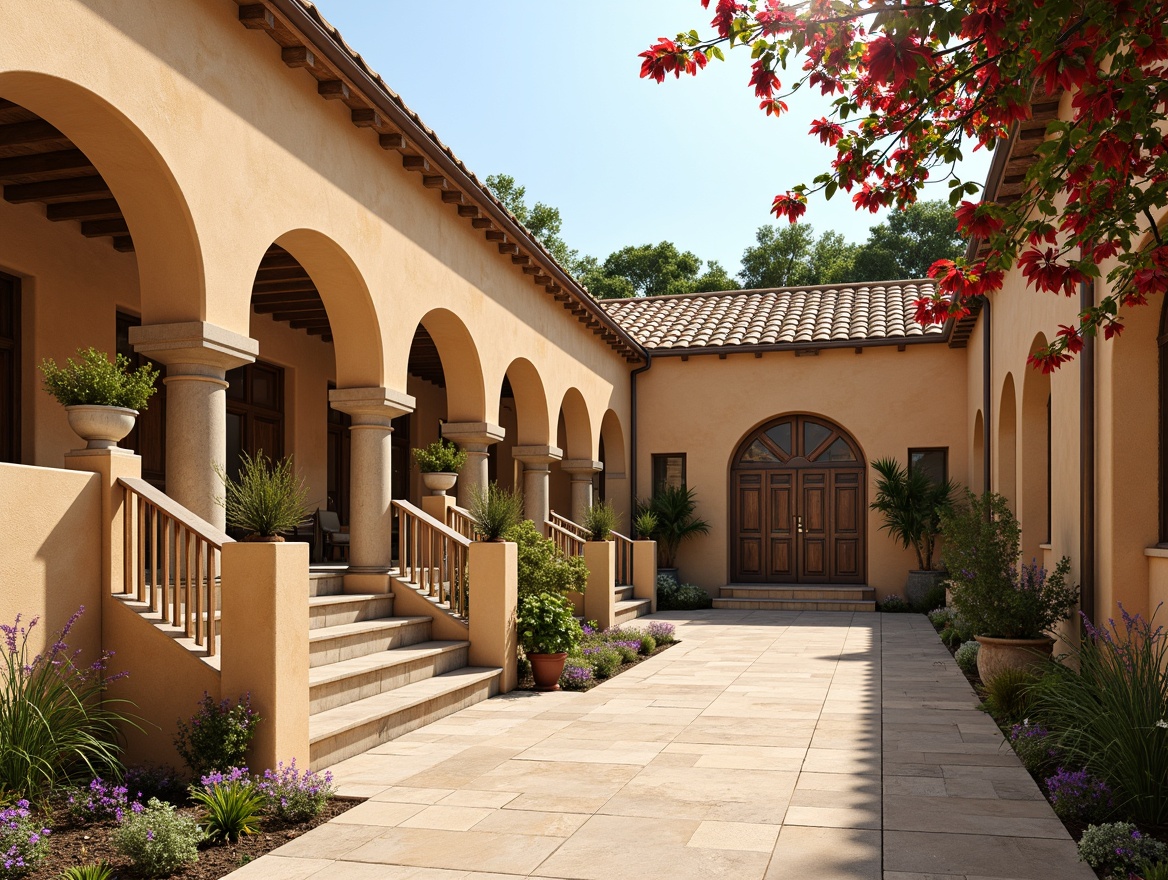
[{"x": 334, "y": 539}]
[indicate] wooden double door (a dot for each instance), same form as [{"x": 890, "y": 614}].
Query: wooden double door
[{"x": 798, "y": 505}]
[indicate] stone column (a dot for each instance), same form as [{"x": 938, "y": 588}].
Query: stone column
[
  {"x": 370, "y": 482},
  {"x": 582, "y": 471},
  {"x": 536, "y": 460},
  {"x": 475, "y": 438},
  {"x": 197, "y": 357}
]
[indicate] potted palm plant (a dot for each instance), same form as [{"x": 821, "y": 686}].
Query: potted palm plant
[
  {"x": 911, "y": 504},
  {"x": 1012, "y": 609},
  {"x": 675, "y": 508},
  {"x": 439, "y": 463},
  {"x": 548, "y": 630},
  {"x": 266, "y": 499},
  {"x": 600, "y": 521},
  {"x": 101, "y": 399},
  {"x": 495, "y": 512},
  {"x": 645, "y": 524}
]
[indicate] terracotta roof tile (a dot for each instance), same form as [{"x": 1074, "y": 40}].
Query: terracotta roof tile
[{"x": 840, "y": 313}]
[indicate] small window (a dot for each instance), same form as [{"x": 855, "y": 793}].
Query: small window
[
  {"x": 668, "y": 470},
  {"x": 933, "y": 462}
]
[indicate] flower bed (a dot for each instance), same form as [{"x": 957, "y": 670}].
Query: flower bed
[{"x": 603, "y": 654}]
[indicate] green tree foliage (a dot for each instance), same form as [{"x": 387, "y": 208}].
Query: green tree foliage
[
  {"x": 653, "y": 270},
  {"x": 543, "y": 221},
  {"x": 908, "y": 243}
]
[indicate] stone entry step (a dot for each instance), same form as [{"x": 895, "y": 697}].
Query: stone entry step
[
  {"x": 796, "y": 597},
  {"x": 630, "y": 609},
  {"x": 332, "y": 644},
  {"x": 347, "y": 681},
  {"x": 356, "y": 727},
  {"x": 333, "y": 610}
]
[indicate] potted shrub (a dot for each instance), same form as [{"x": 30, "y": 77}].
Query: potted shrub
[
  {"x": 439, "y": 463},
  {"x": 101, "y": 399},
  {"x": 600, "y": 521},
  {"x": 911, "y": 505},
  {"x": 548, "y": 630},
  {"x": 267, "y": 498},
  {"x": 675, "y": 508},
  {"x": 645, "y": 524},
  {"x": 495, "y": 511},
  {"x": 1010, "y": 608}
]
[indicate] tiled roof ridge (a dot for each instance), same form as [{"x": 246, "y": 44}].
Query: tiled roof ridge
[{"x": 795, "y": 288}]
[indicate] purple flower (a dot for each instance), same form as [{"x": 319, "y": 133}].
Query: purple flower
[{"x": 1077, "y": 795}]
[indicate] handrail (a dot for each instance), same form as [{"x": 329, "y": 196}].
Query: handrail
[
  {"x": 567, "y": 542},
  {"x": 432, "y": 557},
  {"x": 624, "y": 558},
  {"x": 170, "y": 558},
  {"x": 459, "y": 519},
  {"x": 575, "y": 528}
]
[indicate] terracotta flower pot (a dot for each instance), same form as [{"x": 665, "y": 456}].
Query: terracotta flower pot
[
  {"x": 439, "y": 482},
  {"x": 546, "y": 669},
  {"x": 264, "y": 539},
  {"x": 996, "y": 655},
  {"x": 101, "y": 426}
]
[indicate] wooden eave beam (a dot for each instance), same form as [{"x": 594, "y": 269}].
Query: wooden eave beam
[
  {"x": 416, "y": 163},
  {"x": 298, "y": 56},
  {"x": 99, "y": 228},
  {"x": 508, "y": 248},
  {"x": 305, "y": 286},
  {"x": 43, "y": 163},
  {"x": 123, "y": 243},
  {"x": 367, "y": 118},
  {"x": 333, "y": 89},
  {"x": 19, "y": 193},
  {"x": 93, "y": 209},
  {"x": 34, "y": 131},
  {"x": 301, "y": 317},
  {"x": 257, "y": 16}
]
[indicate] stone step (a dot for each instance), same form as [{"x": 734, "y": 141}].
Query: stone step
[
  {"x": 326, "y": 583},
  {"x": 623, "y": 594},
  {"x": 631, "y": 609},
  {"x": 354, "y": 728},
  {"x": 813, "y": 592},
  {"x": 334, "y": 610},
  {"x": 796, "y": 604},
  {"x": 332, "y": 644},
  {"x": 347, "y": 681}
]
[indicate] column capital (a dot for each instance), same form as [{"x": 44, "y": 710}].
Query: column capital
[
  {"x": 371, "y": 406},
  {"x": 194, "y": 344},
  {"x": 581, "y": 468},
  {"x": 537, "y": 455},
  {"x": 473, "y": 433}
]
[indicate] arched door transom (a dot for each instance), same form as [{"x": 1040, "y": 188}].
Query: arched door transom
[{"x": 798, "y": 487}]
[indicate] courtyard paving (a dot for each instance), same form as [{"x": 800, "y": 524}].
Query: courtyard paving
[{"x": 765, "y": 745}]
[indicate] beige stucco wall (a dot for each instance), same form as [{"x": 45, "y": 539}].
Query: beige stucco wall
[{"x": 888, "y": 400}]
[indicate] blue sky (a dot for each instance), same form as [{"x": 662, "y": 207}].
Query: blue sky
[{"x": 548, "y": 91}]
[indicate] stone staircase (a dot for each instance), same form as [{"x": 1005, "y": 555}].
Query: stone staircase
[
  {"x": 796, "y": 597},
  {"x": 373, "y": 677},
  {"x": 628, "y": 608}
]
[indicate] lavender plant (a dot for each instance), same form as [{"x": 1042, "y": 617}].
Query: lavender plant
[
  {"x": 23, "y": 842},
  {"x": 1077, "y": 796},
  {"x": 56, "y": 721},
  {"x": 577, "y": 675},
  {"x": 100, "y": 801},
  {"x": 294, "y": 795},
  {"x": 663, "y": 633},
  {"x": 1035, "y": 747},
  {"x": 1119, "y": 849},
  {"x": 218, "y": 735}
]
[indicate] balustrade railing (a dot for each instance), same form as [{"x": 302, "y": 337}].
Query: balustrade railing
[
  {"x": 564, "y": 523},
  {"x": 432, "y": 556},
  {"x": 624, "y": 559},
  {"x": 171, "y": 560},
  {"x": 460, "y": 520},
  {"x": 567, "y": 542}
]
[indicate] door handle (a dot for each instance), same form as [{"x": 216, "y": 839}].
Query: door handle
[{"x": 798, "y": 524}]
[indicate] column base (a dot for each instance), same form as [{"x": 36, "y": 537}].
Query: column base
[{"x": 377, "y": 581}]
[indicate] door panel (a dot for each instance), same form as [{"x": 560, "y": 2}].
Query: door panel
[
  {"x": 780, "y": 527},
  {"x": 749, "y": 512},
  {"x": 813, "y": 540}
]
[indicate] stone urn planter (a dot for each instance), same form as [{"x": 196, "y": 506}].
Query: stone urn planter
[
  {"x": 546, "y": 669},
  {"x": 101, "y": 427},
  {"x": 920, "y": 584},
  {"x": 997, "y": 655},
  {"x": 439, "y": 483}
]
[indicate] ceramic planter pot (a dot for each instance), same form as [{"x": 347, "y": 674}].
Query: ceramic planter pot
[
  {"x": 997, "y": 655},
  {"x": 668, "y": 572},
  {"x": 439, "y": 483},
  {"x": 546, "y": 669},
  {"x": 920, "y": 584},
  {"x": 101, "y": 427}
]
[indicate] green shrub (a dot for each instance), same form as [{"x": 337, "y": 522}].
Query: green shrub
[
  {"x": 543, "y": 568},
  {"x": 1107, "y": 706},
  {"x": 672, "y": 596},
  {"x": 940, "y": 618},
  {"x": 1117, "y": 849},
  {"x": 600, "y": 520},
  {"x": 1009, "y": 694},
  {"x": 675, "y": 508},
  {"x": 1153, "y": 871},
  {"x": 56, "y": 724},
  {"x": 495, "y": 511},
  {"x": 895, "y": 605},
  {"x": 628, "y": 654},
  {"x": 911, "y": 504},
  {"x": 547, "y": 624},
  {"x": 158, "y": 840},
  {"x": 267, "y": 497},
  {"x": 605, "y": 660},
  {"x": 648, "y": 644},
  {"x": 93, "y": 380},
  {"x": 991, "y": 592},
  {"x": 933, "y": 599},
  {"x": 218, "y": 735},
  {"x": 93, "y": 871},
  {"x": 645, "y": 524},
  {"x": 966, "y": 657},
  {"x": 230, "y": 804},
  {"x": 440, "y": 457}
]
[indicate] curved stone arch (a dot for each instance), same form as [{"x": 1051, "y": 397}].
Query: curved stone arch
[
  {"x": 534, "y": 426},
  {"x": 1034, "y": 484},
  {"x": 466, "y": 398},
  {"x": 612, "y": 432},
  {"x": 356, "y": 329},
  {"x": 1007, "y": 457},
  {"x": 580, "y": 441},
  {"x": 171, "y": 273}
]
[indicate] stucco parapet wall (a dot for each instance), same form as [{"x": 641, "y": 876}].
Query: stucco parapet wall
[
  {"x": 534, "y": 456},
  {"x": 473, "y": 433},
  {"x": 581, "y": 467},
  {"x": 372, "y": 405},
  {"x": 195, "y": 343}
]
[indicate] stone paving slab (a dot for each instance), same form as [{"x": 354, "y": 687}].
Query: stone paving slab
[{"x": 766, "y": 746}]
